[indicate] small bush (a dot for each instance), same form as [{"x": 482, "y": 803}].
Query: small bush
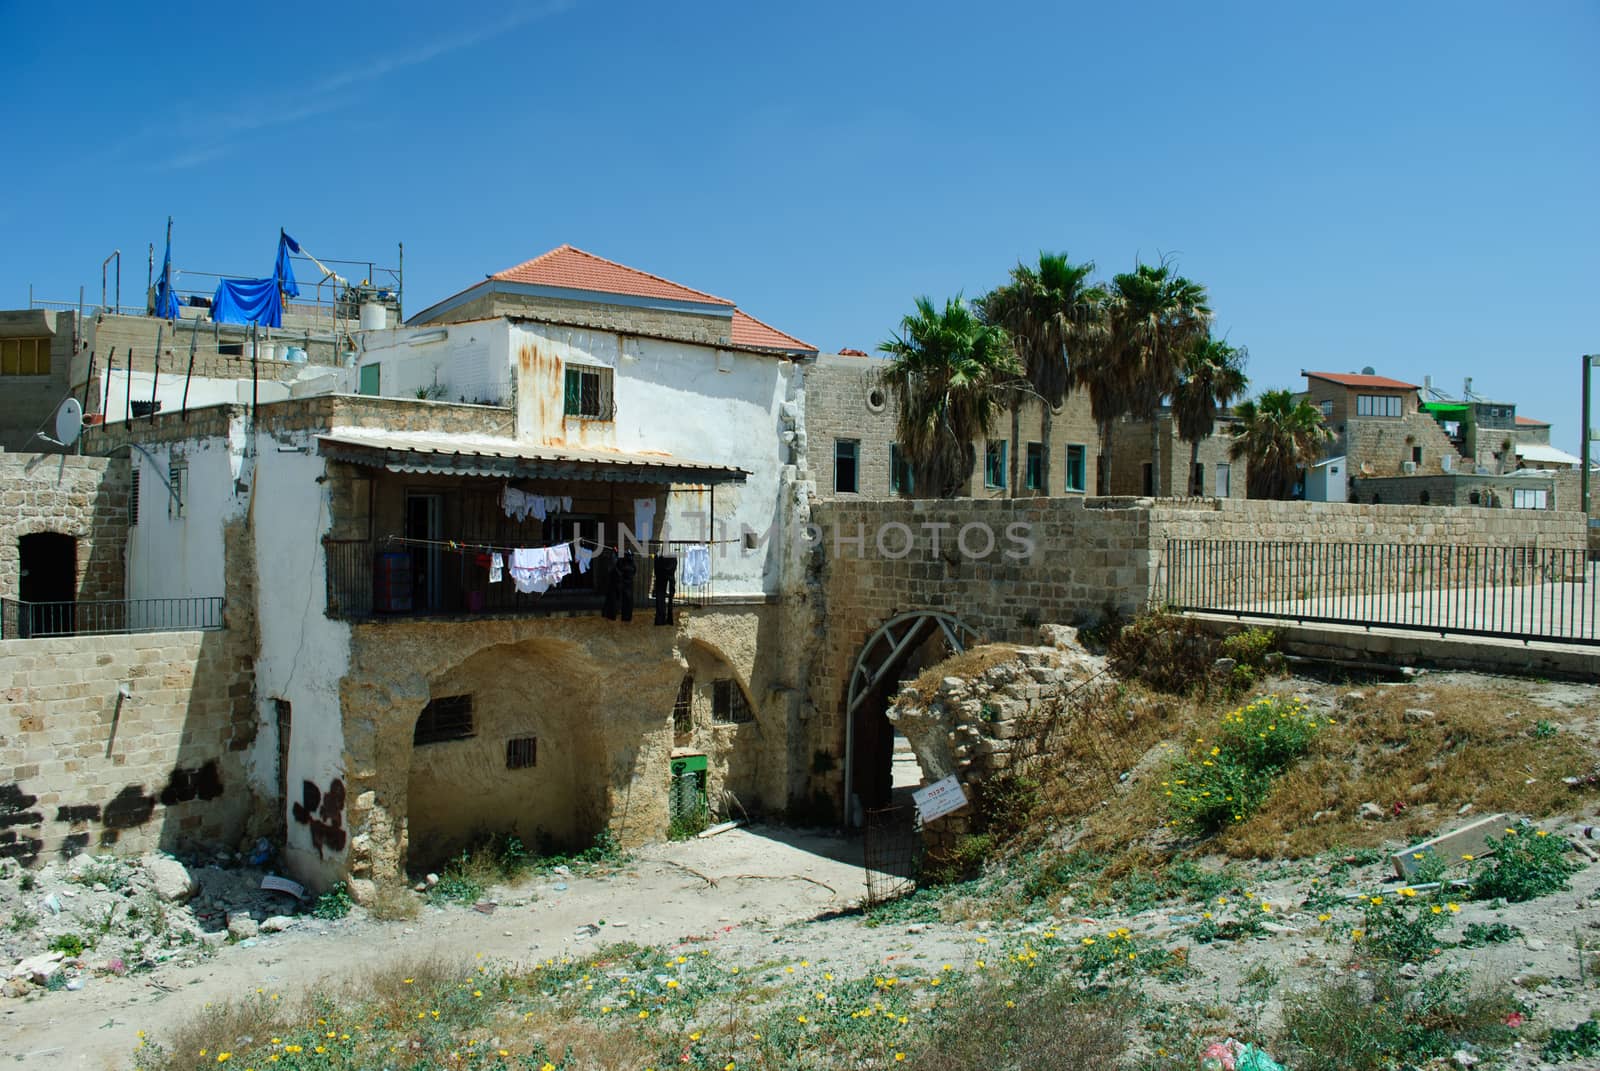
[
  {"x": 1526, "y": 864},
  {"x": 1120, "y": 955},
  {"x": 333, "y": 904},
  {"x": 1227, "y": 779},
  {"x": 1249, "y": 649},
  {"x": 69, "y": 944},
  {"x": 461, "y": 883},
  {"x": 23, "y": 920},
  {"x": 1345, "y": 1025},
  {"x": 685, "y": 825},
  {"x": 1400, "y": 929},
  {"x": 1167, "y": 651},
  {"x": 1563, "y": 1045},
  {"x": 1477, "y": 934}
]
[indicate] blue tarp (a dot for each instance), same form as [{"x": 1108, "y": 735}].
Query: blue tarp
[
  {"x": 248, "y": 301},
  {"x": 284, "y": 270},
  {"x": 166, "y": 300},
  {"x": 258, "y": 301}
]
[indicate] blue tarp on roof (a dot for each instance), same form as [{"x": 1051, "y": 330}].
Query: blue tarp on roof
[
  {"x": 258, "y": 301},
  {"x": 248, "y": 301}
]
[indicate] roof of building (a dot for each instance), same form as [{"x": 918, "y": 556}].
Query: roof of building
[
  {"x": 749, "y": 331},
  {"x": 567, "y": 267},
  {"x": 1547, "y": 454},
  {"x": 849, "y": 352},
  {"x": 570, "y": 268},
  {"x": 1531, "y": 422},
  {"x": 485, "y": 455},
  {"x": 1352, "y": 380}
]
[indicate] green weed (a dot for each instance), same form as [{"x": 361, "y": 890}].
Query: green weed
[
  {"x": 1527, "y": 864},
  {"x": 333, "y": 904}
]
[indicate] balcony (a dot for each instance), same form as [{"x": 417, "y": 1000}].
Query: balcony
[
  {"x": 109, "y": 617},
  {"x": 399, "y": 579}
]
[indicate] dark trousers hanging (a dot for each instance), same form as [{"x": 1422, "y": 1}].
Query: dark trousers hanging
[
  {"x": 665, "y": 587},
  {"x": 619, "y": 587}
]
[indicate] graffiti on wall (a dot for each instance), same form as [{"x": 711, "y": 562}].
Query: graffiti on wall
[
  {"x": 21, "y": 822},
  {"x": 323, "y": 814}
]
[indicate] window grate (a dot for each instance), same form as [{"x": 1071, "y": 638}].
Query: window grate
[
  {"x": 728, "y": 703},
  {"x": 522, "y": 752},
  {"x": 133, "y": 493},
  {"x": 683, "y": 707},
  {"x": 444, "y": 719},
  {"x": 176, "y": 471},
  {"x": 587, "y": 393}
]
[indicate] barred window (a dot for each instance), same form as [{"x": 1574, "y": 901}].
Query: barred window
[
  {"x": 683, "y": 707},
  {"x": 522, "y": 752},
  {"x": 447, "y": 718},
  {"x": 728, "y": 703},
  {"x": 177, "y": 469},
  {"x": 133, "y": 493}
]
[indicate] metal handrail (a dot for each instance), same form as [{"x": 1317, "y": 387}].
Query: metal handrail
[{"x": 105, "y": 617}]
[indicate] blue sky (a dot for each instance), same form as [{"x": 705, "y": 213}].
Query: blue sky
[{"x": 1408, "y": 186}]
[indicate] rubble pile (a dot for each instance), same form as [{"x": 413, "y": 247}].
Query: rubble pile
[{"x": 66, "y": 921}]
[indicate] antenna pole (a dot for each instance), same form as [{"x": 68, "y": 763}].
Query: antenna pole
[
  {"x": 155, "y": 376},
  {"x": 127, "y": 397},
  {"x": 87, "y": 376},
  {"x": 111, "y": 366},
  {"x": 194, "y": 339}
]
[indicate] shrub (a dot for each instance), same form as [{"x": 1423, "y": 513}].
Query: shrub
[
  {"x": 461, "y": 882},
  {"x": 1399, "y": 929},
  {"x": 1345, "y": 1025},
  {"x": 1119, "y": 954},
  {"x": 69, "y": 944},
  {"x": 1249, "y": 649},
  {"x": 1495, "y": 933},
  {"x": 1227, "y": 779},
  {"x": 1563, "y": 1045},
  {"x": 1527, "y": 864},
  {"x": 333, "y": 904},
  {"x": 1167, "y": 651}
]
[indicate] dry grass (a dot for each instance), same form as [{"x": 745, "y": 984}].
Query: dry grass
[
  {"x": 1478, "y": 749},
  {"x": 973, "y": 662},
  {"x": 393, "y": 902},
  {"x": 1056, "y": 1028}
]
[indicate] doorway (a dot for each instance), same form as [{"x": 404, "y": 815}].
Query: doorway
[
  {"x": 49, "y": 583},
  {"x": 424, "y": 514}
]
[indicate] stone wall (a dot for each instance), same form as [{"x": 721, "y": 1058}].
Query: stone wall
[
  {"x": 27, "y": 402},
  {"x": 307, "y": 414},
  {"x": 1453, "y": 489},
  {"x": 1131, "y": 450},
  {"x": 82, "y": 770},
  {"x": 846, "y": 401},
  {"x": 83, "y": 497},
  {"x": 1089, "y": 558},
  {"x": 598, "y": 697},
  {"x": 1381, "y": 446}
]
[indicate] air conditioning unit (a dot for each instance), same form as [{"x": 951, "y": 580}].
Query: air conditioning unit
[{"x": 1408, "y": 467}]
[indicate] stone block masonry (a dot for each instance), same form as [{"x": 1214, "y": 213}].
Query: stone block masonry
[
  {"x": 82, "y": 497},
  {"x": 84, "y": 770}
]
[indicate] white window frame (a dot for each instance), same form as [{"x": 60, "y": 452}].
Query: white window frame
[{"x": 1379, "y": 405}]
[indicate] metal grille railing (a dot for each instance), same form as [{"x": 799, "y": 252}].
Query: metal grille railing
[
  {"x": 101, "y": 617},
  {"x": 360, "y": 584},
  {"x": 1525, "y": 593}
]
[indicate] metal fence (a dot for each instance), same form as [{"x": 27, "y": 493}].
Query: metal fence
[
  {"x": 891, "y": 852},
  {"x": 101, "y": 617},
  {"x": 1524, "y": 593},
  {"x": 359, "y": 588}
]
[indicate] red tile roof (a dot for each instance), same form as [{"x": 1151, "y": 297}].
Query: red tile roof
[
  {"x": 749, "y": 331},
  {"x": 1530, "y": 422},
  {"x": 848, "y": 352},
  {"x": 570, "y": 268},
  {"x": 1380, "y": 382}
]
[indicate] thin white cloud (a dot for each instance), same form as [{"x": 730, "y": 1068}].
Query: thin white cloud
[{"x": 330, "y": 94}]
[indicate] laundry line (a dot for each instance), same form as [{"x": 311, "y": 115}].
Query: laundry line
[{"x": 469, "y": 546}]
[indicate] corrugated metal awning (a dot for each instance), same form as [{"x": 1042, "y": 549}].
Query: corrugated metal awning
[{"x": 476, "y": 455}]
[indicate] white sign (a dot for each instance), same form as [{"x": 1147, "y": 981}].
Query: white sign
[{"x": 939, "y": 798}]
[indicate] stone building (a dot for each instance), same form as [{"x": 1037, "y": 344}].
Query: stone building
[
  {"x": 1213, "y": 474},
  {"x": 850, "y": 431}
]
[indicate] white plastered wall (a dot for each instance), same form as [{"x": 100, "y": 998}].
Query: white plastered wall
[{"x": 455, "y": 363}]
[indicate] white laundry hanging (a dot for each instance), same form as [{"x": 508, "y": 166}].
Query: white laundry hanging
[{"x": 696, "y": 566}]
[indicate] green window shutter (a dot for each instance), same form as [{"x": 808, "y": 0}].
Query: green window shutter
[
  {"x": 371, "y": 380},
  {"x": 573, "y": 403}
]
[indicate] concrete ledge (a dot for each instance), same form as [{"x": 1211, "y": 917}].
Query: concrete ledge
[{"x": 1400, "y": 647}]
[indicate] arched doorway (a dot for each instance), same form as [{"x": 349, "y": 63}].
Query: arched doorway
[
  {"x": 49, "y": 583},
  {"x": 905, "y": 644}
]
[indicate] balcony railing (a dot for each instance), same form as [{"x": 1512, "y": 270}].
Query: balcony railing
[
  {"x": 368, "y": 580},
  {"x": 103, "y": 617}
]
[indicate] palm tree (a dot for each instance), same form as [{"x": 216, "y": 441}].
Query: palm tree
[
  {"x": 1156, "y": 318},
  {"x": 1278, "y": 437},
  {"x": 1212, "y": 376},
  {"x": 949, "y": 372},
  {"x": 1051, "y": 312}
]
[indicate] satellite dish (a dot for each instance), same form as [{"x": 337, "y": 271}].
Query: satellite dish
[
  {"x": 69, "y": 422},
  {"x": 1369, "y": 371}
]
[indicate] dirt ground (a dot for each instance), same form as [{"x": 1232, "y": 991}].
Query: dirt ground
[
  {"x": 743, "y": 886},
  {"x": 764, "y": 892}
]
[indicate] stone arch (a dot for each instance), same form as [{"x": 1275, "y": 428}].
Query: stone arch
[{"x": 877, "y": 668}]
